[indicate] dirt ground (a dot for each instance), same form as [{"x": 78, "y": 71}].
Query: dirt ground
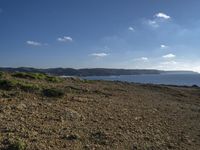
[{"x": 101, "y": 115}]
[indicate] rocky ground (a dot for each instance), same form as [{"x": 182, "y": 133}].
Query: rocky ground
[{"x": 96, "y": 115}]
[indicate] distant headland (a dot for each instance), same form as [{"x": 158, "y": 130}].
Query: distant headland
[{"x": 93, "y": 71}]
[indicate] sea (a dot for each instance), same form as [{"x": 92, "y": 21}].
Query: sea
[{"x": 166, "y": 79}]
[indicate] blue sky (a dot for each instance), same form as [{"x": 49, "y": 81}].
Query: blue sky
[{"x": 159, "y": 34}]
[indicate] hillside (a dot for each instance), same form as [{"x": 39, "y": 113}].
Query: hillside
[
  {"x": 41, "y": 112},
  {"x": 83, "y": 72},
  {"x": 93, "y": 71}
]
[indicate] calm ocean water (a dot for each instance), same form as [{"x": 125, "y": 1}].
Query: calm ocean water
[{"x": 169, "y": 79}]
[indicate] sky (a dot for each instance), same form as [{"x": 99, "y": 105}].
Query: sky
[{"x": 131, "y": 34}]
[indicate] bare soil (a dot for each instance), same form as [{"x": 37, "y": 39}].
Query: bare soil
[{"x": 101, "y": 115}]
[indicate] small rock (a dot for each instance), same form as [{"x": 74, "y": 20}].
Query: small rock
[
  {"x": 138, "y": 118},
  {"x": 22, "y": 119},
  {"x": 21, "y": 106},
  {"x": 134, "y": 147},
  {"x": 72, "y": 115},
  {"x": 72, "y": 137},
  {"x": 87, "y": 147}
]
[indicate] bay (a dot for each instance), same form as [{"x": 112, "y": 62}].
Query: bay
[{"x": 167, "y": 79}]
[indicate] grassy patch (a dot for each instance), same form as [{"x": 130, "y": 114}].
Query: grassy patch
[
  {"x": 53, "y": 92},
  {"x": 88, "y": 81},
  {"x": 73, "y": 89},
  {"x": 39, "y": 76},
  {"x": 53, "y": 79},
  {"x": 8, "y": 85},
  {"x": 27, "y": 87},
  {"x": 25, "y": 75}
]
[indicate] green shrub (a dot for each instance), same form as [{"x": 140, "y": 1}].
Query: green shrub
[
  {"x": 39, "y": 76},
  {"x": 1, "y": 74},
  {"x": 17, "y": 145},
  {"x": 53, "y": 79},
  {"x": 53, "y": 92},
  {"x": 11, "y": 84},
  {"x": 7, "y": 84},
  {"x": 27, "y": 87},
  {"x": 25, "y": 75}
]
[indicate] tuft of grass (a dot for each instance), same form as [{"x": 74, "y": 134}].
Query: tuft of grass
[
  {"x": 17, "y": 145},
  {"x": 73, "y": 89},
  {"x": 53, "y": 92},
  {"x": 100, "y": 138}
]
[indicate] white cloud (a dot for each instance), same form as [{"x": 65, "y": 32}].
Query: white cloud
[
  {"x": 169, "y": 56},
  {"x": 143, "y": 59},
  {"x": 153, "y": 23},
  {"x": 157, "y": 20},
  {"x": 163, "y": 46},
  {"x": 99, "y": 54},
  {"x": 196, "y": 68},
  {"x": 169, "y": 63},
  {"x": 33, "y": 43},
  {"x": 179, "y": 65},
  {"x": 162, "y": 15},
  {"x": 131, "y": 29},
  {"x": 65, "y": 39}
]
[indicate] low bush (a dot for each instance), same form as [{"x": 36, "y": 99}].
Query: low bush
[
  {"x": 17, "y": 145},
  {"x": 53, "y": 92},
  {"x": 14, "y": 84},
  {"x": 1, "y": 74},
  {"x": 28, "y": 87},
  {"x": 7, "y": 84},
  {"x": 195, "y": 86}
]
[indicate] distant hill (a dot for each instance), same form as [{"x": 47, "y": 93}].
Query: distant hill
[{"x": 90, "y": 72}]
